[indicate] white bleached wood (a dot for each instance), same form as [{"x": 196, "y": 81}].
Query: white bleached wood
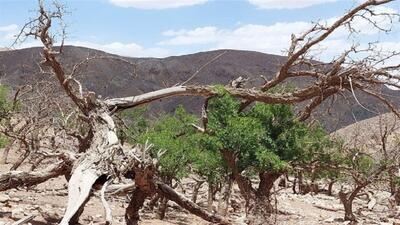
[
  {"x": 79, "y": 188},
  {"x": 107, "y": 208}
]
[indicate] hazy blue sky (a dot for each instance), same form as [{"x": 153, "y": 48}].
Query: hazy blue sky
[{"x": 165, "y": 27}]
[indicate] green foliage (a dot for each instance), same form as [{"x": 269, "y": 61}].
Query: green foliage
[
  {"x": 5, "y": 104},
  {"x": 133, "y": 124},
  {"x": 209, "y": 164},
  {"x": 265, "y": 137},
  {"x": 6, "y": 108},
  {"x": 173, "y": 135},
  {"x": 361, "y": 163},
  {"x": 3, "y": 141}
]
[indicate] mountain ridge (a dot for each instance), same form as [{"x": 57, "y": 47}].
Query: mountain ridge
[{"x": 115, "y": 78}]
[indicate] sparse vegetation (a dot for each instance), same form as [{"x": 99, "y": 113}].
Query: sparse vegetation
[{"x": 243, "y": 142}]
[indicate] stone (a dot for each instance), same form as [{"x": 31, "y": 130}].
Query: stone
[
  {"x": 329, "y": 220},
  {"x": 15, "y": 199},
  {"x": 4, "y": 198},
  {"x": 17, "y": 213}
]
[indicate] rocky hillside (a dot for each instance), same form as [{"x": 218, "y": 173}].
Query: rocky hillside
[
  {"x": 112, "y": 78},
  {"x": 367, "y": 134}
]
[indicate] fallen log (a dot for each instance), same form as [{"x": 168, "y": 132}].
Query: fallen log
[
  {"x": 14, "y": 179},
  {"x": 187, "y": 204},
  {"x": 23, "y": 220}
]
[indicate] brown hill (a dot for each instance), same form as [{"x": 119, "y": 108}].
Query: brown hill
[
  {"x": 367, "y": 135},
  {"x": 112, "y": 78}
]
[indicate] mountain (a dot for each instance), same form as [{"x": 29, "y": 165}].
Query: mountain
[
  {"x": 367, "y": 134},
  {"x": 115, "y": 78}
]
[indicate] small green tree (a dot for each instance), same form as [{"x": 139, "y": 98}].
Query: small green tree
[
  {"x": 177, "y": 146},
  {"x": 361, "y": 170},
  {"x": 174, "y": 147},
  {"x": 318, "y": 160},
  {"x": 6, "y": 108},
  {"x": 132, "y": 124},
  {"x": 263, "y": 140},
  {"x": 6, "y": 105}
]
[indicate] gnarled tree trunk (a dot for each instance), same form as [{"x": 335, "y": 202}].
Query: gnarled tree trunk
[
  {"x": 132, "y": 211},
  {"x": 163, "y": 204},
  {"x": 196, "y": 188},
  {"x": 210, "y": 197},
  {"x": 258, "y": 202},
  {"x": 347, "y": 201},
  {"x": 223, "y": 204},
  {"x": 330, "y": 187}
]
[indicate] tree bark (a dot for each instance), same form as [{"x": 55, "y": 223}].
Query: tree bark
[
  {"x": 154, "y": 200},
  {"x": 258, "y": 204},
  {"x": 302, "y": 188},
  {"x": 313, "y": 186},
  {"x": 162, "y": 208},
  {"x": 21, "y": 158},
  {"x": 14, "y": 179},
  {"x": 348, "y": 210},
  {"x": 132, "y": 211},
  {"x": 75, "y": 219},
  {"x": 347, "y": 201},
  {"x": 163, "y": 204},
  {"x": 223, "y": 204},
  {"x": 196, "y": 188},
  {"x": 210, "y": 197},
  {"x": 330, "y": 187},
  {"x": 294, "y": 185}
]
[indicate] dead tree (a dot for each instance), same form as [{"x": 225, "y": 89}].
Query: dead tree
[
  {"x": 371, "y": 158},
  {"x": 104, "y": 156},
  {"x": 360, "y": 182}
]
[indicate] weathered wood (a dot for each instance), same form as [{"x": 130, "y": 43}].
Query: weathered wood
[
  {"x": 79, "y": 188},
  {"x": 120, "y": 189},
  {"x": 14, "y": 179},
  {"x": 132, "y": 211},
  {"x": 185, "y": 203},
  {"x": 106, "y": 206},
  {"x": 104, "y": 155},
  {"x": 23, "y": 220}
]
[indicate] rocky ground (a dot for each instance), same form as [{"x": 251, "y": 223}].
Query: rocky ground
[{"x": 47, "y": 201}]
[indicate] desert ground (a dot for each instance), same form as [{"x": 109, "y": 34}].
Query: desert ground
[{"x": 47, "y": 203}]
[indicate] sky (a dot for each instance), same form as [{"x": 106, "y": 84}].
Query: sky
[{"x": 161, "y": 28}]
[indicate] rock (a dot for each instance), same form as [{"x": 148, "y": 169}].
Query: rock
[
  {"x": 384, "y": 219},
  {"x": 49, "y": 214},
  {"x": 326, "y": 197},
  {"x": 329, "y": 220},
  {"x": 15, "y": 199},
  {"x": 4, "y": 198},
  {"x": 17, "y": 213},
  {"x": 5, "y": 213},
  {"x": 371, "y": 203}
]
